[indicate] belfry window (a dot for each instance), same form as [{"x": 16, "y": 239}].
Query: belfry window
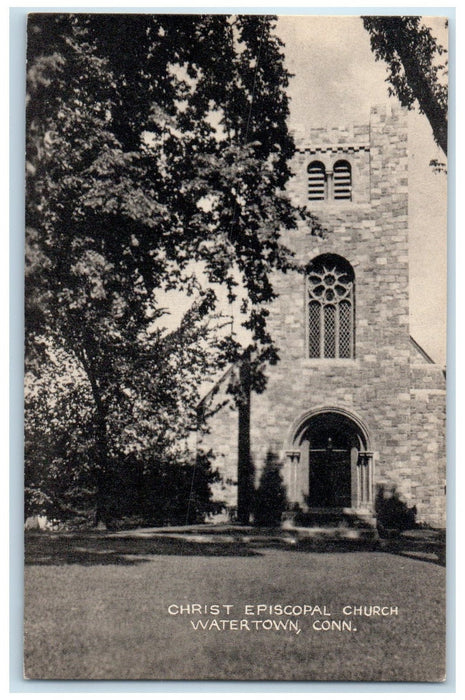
[
  {"x": 317, "y": 188},
  {"x": 331, "y": 303},
  {"x": 342, "y": 180}
]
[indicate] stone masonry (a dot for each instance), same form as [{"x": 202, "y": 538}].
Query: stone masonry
[{"x": 389, "y": 390}]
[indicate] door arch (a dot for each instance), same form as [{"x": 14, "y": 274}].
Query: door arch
[{"x": 330, "y": 464}]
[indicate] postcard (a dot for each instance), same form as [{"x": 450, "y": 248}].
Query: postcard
[{"x": 235, "y": 384}]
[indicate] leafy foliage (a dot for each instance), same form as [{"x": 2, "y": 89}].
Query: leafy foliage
[
  {"x": 124, "y": 155},
  {"x": 155, "y": 168},
  {"x": 416, "y": 65},
  {"x": 59, "y": 437}
]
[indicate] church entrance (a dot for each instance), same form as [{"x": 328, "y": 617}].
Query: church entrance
[
  {"x": 330, "y": 446},
  {"x": 329, "y": 465}
]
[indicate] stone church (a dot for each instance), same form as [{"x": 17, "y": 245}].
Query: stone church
[{"x": 354, "y": 404}]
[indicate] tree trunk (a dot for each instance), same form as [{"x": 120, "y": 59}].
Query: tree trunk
[
  {"x": 245, "y": 480},
  {"x": 103, "y": 499},
  {"x": 102, "y": 471}
]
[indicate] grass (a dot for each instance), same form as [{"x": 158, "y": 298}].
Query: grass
[{"x": 96, "y": 607}]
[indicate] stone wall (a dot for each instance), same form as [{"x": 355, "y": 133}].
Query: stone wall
[{"x": 428, "y": 443}]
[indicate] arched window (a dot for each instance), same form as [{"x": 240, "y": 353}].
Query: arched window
[
  {"x": 316, "y": 181},
  {"x": 342, "y": 180},
  {"x": 331, "y": 305}
]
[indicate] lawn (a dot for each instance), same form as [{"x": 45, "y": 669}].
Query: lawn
[{"x": 96, "y": 607}]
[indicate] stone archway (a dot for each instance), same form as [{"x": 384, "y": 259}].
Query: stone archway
[{"x": 329, "y": 462}]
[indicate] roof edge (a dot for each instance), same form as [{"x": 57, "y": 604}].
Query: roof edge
[
  {"x": 216, "y": 383},
  {"x": 422, "y": 352}
]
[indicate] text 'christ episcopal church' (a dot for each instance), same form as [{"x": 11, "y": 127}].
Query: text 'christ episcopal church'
[{"x": 354, "y": 404}]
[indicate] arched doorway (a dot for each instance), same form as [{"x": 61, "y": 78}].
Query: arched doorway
[
  {"x": 333, "y": 445},
  {"x": 329, "y": 463}
]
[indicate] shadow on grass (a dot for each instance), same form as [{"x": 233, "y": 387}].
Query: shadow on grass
[
  {"x": 426, "y": 552},
  {"x": 92, "y": 548},
  {"x": 429, "y": 549}
]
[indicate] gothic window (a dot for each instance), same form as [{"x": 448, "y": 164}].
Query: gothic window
[
  {"x": 331, "y": 302},
  {"x": 342, "y": 180},
  {"x": 317, "y": 189}
]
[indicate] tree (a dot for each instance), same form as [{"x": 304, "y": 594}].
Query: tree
[
  {"x": 417, "y": 70},
  {"x": 157, "y": 167},
  {"x": 59, "y": 440},
  {"x": 146, "y": 425}
]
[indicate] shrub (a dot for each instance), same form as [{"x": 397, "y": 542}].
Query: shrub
[
  {"x": 163, "y": 490},
  {"x": 391, "y": 512},
  {"x": 270, "y": 497},
  {"x": 160, "y": 490}
]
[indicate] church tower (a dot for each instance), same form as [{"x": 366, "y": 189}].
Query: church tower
[{"x": 354, "y": 405}]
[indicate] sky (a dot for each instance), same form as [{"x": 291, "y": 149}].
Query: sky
[{"x": 336, "y": 82}]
